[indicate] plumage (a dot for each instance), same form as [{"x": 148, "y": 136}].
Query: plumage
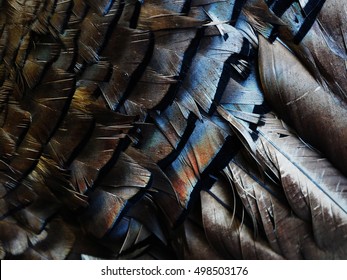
[
  {"x": 152, "y": 129},
  {"x": 314, "y": 32},
  {"x": 289, "y": 94}
]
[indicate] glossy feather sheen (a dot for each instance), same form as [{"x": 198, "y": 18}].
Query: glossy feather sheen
[
  {"x": 145, "y": 130},
  {"x": 322, "y": 47},
  {"x": 306, "y": 188},
  {"x": 321, "y": 113},
  {"x": 226, "y": 231}
]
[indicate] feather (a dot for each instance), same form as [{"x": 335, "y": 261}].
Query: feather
[
  {"x": 60, "y": 16},
  {"x": 331, "y": 54},
  {"x": 66, "y": 56},
  {"x": 314, "y": 34},
  {"x": 187, "y": 105},
  {"x": 48, "y": 173},
  {"x": 12, "y": 112},
  {"x": 179, "y": 48},
  {"x": 102, "y": 7},
  {"x": 155, "y": 18},
  {"x": 139, "y": 129},
  {"x": 32, "y": 203},
  {"x": 26, "y": 157},
  {"x": 214, "y": 57},
  {"x": 163, "y": 193},
  {"x": 192, "y": 243},
  {"x": 286, "y": 233},
  {"x": 90, "y": 43},
  {"x": 124, "y": 174},
  {"x": 225, "y": 231},
  {"x": 175, "y": 127},
  {"x": 36, "y": 216},
  {"x": 7, "y": 148},
  {"x": 56, "y": 245},
  {"x": 200, "y": 151},
  {"x": 321, "y": 113},
  {"x": 239, "y": 129},
  {"x": 135, "y": 45},
  {"x": 41, "y": 22},
  {"x": 238, "y": 94},
  {"x": 13, "y": 238},
  {"x": 153, "y": 143},
  {"x": 87, "y": 166},
  {"x": 160, "y": 181},
  {"x": 171, "y": 5},
  {"x": 162, "y": 77},
  {"x": 62, "y": 148},
  {"x": 148, "y": 87},
  {"x": 308, "y": 181},
  {"x": 96, "y": 73},
  {"x": 203, "y": 87},
  {"x": 99, "y": 222},
  {"x": 261, "y": 17},
  {"x": 204, "y": 2},
  {"x": 143, "y": 211},
  {"x": 49, "y": 98},
  {"x": 134, "y": 236}
]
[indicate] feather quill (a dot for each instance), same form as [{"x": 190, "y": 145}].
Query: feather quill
[{"x": 307, "y": 181}]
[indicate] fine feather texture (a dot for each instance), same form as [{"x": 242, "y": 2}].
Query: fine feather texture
[
  {"x": 146, "y": 129},
  {"x": 226, "y": 231},
  {"x": 307, "y": 180},
  {"x": 287, "y": 234},
  {"x": 321, "y": 47},
  {"x": 290, "y": 94}
]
